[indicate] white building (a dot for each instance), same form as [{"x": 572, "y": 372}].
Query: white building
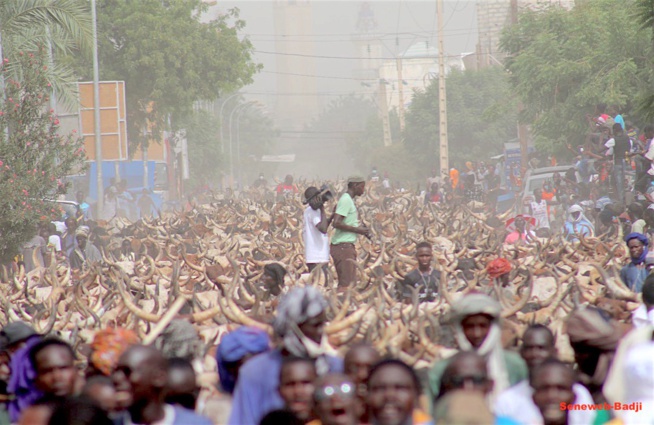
[{"x": 419, "y": 65}]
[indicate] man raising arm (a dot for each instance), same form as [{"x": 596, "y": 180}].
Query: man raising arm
[{"x": 346, "y": 223}]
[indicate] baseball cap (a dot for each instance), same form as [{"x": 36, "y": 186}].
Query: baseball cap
[
  {"x": 14, "y": 333},
  {"x": 356, "y": 179}
]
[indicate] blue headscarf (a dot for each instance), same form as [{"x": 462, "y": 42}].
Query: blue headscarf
[
  {"x": 236, "y": 345},
  {"x": 643, "y": 239},
  {"x": 21, "y": 382}
]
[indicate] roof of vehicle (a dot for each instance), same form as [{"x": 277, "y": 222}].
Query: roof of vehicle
[{"x": 546, "y": 170}]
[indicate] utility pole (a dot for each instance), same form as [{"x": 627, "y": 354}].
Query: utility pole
[
  {"x": 523, "y": 132},
  {"x": 383, "y": 111},
  {"x": 400, "y": 88},
  {"x": 442, "y": 96},
  {"x": 96, "y": 112}
]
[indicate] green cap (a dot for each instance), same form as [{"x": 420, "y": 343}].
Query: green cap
[{"x": 356, "y": 179}]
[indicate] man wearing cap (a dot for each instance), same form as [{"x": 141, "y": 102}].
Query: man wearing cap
[
  {"x": 85, "y": 253},
  {"x": 316, "y": 224},
  {"x": 346, "y": 223}
]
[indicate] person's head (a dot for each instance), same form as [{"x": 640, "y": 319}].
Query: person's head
[
  {"x": 314, "y": 201},
  {"x": 648, "y": 292},
  {"x": 537, "y": 345},
  {"x": 82, "y": 236},
  {"x": 301, "y": 317},
  {"x": 71, "y": 224},
  {"x": 356, "y": 185},
  {"x": 79, "y": 411},
  {"x": 140, "y": 377},
  {"x": 235, "y": 349},
  {"x": 107, "y": 346},
  {"x": 54, "y": 364},
  {"x": 424, "y": 255},
  {"x": 288, "y": 180},
  {"x": 467, "y": 370},
  {"x": 635, "y": 210},
  {"x": 179, "y": 339},
  {"x": 520, "y": 224},
  {"x": 296, "y": 385},
  {"x": 14, "y": 336},
  {"x": 100, "y": 389},
  {"x": 273, "y": 277},
  {"x": 333, "y": 399},
  {"x": 39, "y": 412},
  {"x": 600, "y": 108},
  {"x": 126, "y": 245},
  {"x": 592, "y": 333},
  {"x": 358, "y": 362},
  {"x": 434, "y": 188},
  {"x": 475, "y": 316},
  {"x": 574, "y": 213},
  {"x": 538, "y": 194},
  {"x": 552, "y": 382},
  {"x": 5, "y": 370},
  {"x": 462, "y": 407},
  {"x": 636, "y": 243},
  {"x": 281, "y": 417},
  {"x": 79, "y": 197},
  {"x": 648, "y": 216},
  {"x": 649, "y": 131},
  {"x": 617, "y": 129},
  {"x": 393, "y": 392},
  {"x": 181, "y": 389}
]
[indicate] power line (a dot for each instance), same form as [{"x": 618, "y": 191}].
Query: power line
[
  {"x": 320, "y": 132},
  {"x": 347, "y": 57},
  {"x": 334, "y": 77}
]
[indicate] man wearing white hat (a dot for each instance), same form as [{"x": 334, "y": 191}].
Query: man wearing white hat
[
  {"x": 85, "y": 253},
  {"x": 346, "y": 223}
]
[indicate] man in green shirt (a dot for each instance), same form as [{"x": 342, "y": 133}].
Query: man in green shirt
[{"x": 346, "y": 223}]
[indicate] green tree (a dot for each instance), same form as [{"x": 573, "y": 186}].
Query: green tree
[
  {"x": 480, "y": 118},
  {"x": 562, "y": 63},
  {"x": 169, "y": 59},
  {"x": 34, "y": 157},
  {"x": 28, "y": 25}
]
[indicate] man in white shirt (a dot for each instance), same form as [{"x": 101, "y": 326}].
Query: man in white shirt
[
  {"x": 539, "y": 210},
  {"x": 316, "y": 223},
  {"x": 517, "y": 402},
  {"x": 644, "y": 315}
]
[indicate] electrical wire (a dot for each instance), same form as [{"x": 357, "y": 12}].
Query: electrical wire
[{"x": 343, "y": 57}]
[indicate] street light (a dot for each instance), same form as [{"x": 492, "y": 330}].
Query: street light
[
  {"x": 220, "y": 117},
  {"x": 96, "y": 112}
]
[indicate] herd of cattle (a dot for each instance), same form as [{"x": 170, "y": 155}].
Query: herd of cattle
[{"x": 205, "y": 264}]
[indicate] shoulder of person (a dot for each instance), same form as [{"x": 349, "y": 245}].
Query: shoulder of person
[
  {"x": 335, "y": 364},
  {"x": 515, "y": 365},
  {"x": 260, "y": 362},
  {"x": 188, "y": 417}
]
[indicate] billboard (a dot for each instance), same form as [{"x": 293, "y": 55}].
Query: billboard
[{"x": 113, "y": 120}]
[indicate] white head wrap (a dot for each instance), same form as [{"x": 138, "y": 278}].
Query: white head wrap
[
  {"x": 295, "y": 308},
  {"x": 491, "y": 348}
]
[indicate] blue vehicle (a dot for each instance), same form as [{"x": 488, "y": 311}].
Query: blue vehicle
[{"x": 132, "y": 172}]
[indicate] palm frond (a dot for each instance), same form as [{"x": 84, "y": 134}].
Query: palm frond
[{"x": 71, "y": 16}]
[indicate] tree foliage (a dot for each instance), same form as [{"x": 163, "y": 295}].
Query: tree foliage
[
  {"x": 169, "y": 58},
  {"x": 34, "y": 158},
  {"x": 562, "y": 63},
  {"x": 28, "y": 25},
  {"x": 481, "y": 117}
]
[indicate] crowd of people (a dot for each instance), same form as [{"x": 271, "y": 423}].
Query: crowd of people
[{"x": 295, "y": 377}]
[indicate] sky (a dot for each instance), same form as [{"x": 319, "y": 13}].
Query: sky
[
  {"x": 333, "y": 23},
  {"x": 330, "y": 74}
]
